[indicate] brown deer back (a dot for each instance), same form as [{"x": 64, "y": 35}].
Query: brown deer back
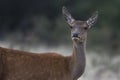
[{"x": 20, "y": 65}]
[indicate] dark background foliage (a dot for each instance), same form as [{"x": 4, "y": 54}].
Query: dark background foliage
[{"x": 41, "y": 22}]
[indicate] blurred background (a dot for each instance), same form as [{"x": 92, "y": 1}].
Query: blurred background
[{"x": 38, "y": 26}]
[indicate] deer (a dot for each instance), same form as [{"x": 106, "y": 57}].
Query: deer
[{"x": 23, "y": 65}]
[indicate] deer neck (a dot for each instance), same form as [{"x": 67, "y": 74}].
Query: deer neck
[{"x": 78, "y": 59}]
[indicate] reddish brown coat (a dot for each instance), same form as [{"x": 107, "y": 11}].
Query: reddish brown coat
[{"x": 20, "y": 65}]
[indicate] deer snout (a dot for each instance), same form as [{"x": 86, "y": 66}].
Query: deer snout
[{"x": 75, "y": 35}]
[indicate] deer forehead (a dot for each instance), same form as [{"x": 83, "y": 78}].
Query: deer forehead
[{"x": 79, "y": 24}]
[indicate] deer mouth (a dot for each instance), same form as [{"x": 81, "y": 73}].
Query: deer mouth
[{"x": 76, "y": 38}]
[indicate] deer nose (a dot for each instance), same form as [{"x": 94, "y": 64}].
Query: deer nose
[{"x": 75, "y": 35}]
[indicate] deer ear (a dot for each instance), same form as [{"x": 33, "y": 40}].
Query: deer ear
[
  {"x": 92, "y": 20},
  {"x": 67, "y": 16}
]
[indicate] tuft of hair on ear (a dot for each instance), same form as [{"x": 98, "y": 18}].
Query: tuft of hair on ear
[
  {"x": 67, "y": 15},
  {"x": 65, "y": 12},
  {"x": 92, "y": 20},
  {"x": 64, "y": 9}
]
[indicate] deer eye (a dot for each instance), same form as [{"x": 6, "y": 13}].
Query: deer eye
[
  {"x": 71, "y": 27},
  {"x": 85, "y": 28}
]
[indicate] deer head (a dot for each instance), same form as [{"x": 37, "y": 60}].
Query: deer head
[{"x": 79, "y": 28}]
